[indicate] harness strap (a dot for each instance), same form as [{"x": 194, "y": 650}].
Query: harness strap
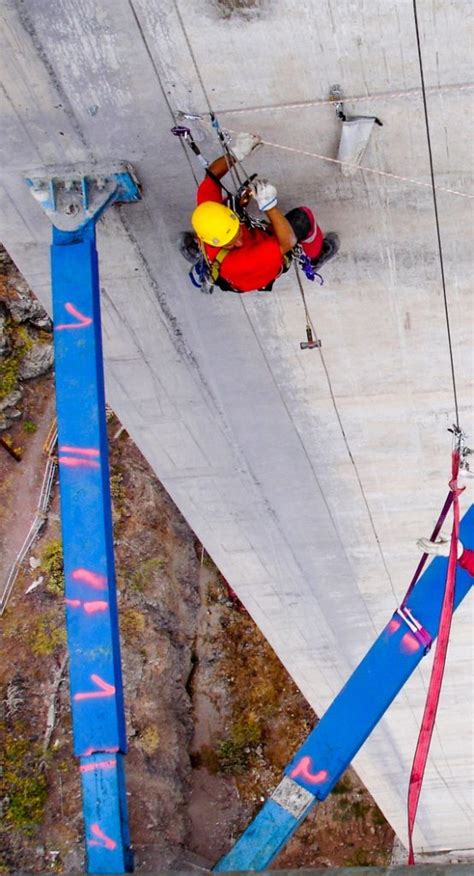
[
  {"x": 434, "y": 689},
  {"x": 215, "y": 265}
]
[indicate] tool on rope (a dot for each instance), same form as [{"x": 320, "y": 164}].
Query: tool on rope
[
  {"x": 312, "y": 340},
  {"x": 185, "y": 134},
  {"x": 437, "y": 672}
]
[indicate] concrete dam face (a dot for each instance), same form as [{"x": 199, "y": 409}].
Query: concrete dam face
[{"x": 308, "y": 474}]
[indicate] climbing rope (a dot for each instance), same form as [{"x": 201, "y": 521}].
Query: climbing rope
[
  {"x": 435, "y": 205},
  {"x": 434, "y": 689},
  {"x": 432, "y": 698}
]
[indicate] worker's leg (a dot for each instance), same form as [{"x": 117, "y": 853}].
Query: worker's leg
[
  {"x": 188, "y": 246},
  {"x": 318, "y": 247},
  {"x": 329, "y": 249}
]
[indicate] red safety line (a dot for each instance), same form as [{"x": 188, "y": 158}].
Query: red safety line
[{"x": 437, "y": 671}]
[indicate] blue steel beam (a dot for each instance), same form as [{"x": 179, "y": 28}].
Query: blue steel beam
[
  {"x": 74, "y": 203},
  {"x": 343, "y": 729}
]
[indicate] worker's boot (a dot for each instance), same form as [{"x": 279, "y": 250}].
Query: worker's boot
[
  {"x": 329, "y": 249},
  {"x": 189, "y": 247}
]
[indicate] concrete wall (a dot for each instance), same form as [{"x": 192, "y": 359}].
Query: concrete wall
[{"x": 307, "y": 479}]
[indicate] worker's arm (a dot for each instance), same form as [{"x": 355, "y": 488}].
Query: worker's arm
[
  {"x": 221, "y": 165},
  {"x": 266, "y": 196},
  {"x": 282, "y": 229}
]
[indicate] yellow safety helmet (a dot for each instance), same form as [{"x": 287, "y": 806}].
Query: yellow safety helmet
[{"x": 215, "y": 223}]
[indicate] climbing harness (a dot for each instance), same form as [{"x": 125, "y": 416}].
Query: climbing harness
[{"x": 434, "y": 689}]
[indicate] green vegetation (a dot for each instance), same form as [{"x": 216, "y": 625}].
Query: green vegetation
[
  {"x": 9, "y": 374},
  {"x": 52, "y": 565},
  {"x": 10, "y": 364},
  {"x": 23, "y": 785},
  {"x": 132, "y": 625},
  {"x": 29, "y": 426},
  {"x": 141, "y": 577},
  {"x": 235, "y": 752},
  {"x": 149, "y": 740},
  {"x": 46, "y": 634}
]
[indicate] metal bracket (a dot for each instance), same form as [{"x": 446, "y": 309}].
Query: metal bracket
[
  {"x": 292, "y": 797},
  {"x": 336, "y": 95},
  {"x": 420, "y": 633},
  {"x": 73, "y": 196}
]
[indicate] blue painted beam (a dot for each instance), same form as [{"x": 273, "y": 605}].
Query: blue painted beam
[
  {"x": 343, "y": 729},
  {"x": 90, "y": 590}
]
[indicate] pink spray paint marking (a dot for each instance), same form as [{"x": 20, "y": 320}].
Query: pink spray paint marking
[
  {"x": 76, "y": 462},
  {"x": 89, "y": 751},
  {"x": 92, "y": 579},
  {"x": 102, "y": 839},
  {"x": 303, "y": 769},
  {"x": 409, "y": 644},
  {"x": 81, "y": 459},
  {"x": 82, "y": 321},
  {"x": 90, "y": 607},
  {"x": 106, "y": 690},
  {"x": 393, "y": 626},
  {"x": 97, "y": 605},
  {"x": 98, "y": 765},
  {"x": 83, "y": 451}
]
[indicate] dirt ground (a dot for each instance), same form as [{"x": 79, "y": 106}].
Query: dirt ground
[{"x": 212, "y": 716}]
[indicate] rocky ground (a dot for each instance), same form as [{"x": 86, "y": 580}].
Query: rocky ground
[{"x": 212, "y": 716}]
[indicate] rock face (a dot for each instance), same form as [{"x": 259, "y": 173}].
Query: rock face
[
  {"x": 29, "y": 310},
  {"x": 5, "y": 342},
  {"x": 37, "y": 361}
]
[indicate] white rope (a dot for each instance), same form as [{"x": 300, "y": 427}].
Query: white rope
[
  {"x": 391, "y": 95},
  {"x": 416, "y": 182}
]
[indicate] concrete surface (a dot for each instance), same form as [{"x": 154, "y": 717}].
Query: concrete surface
[{"x": 308, "y": 485}]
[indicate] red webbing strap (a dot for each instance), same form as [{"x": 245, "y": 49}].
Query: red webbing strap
[{"x": 437, "y": 671}]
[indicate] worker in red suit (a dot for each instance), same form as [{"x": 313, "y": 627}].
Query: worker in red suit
[
  {"x": 441, "y": 548},
  {"x": 244, "y": 259}
]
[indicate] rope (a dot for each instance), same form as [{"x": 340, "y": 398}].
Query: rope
[
  {"x": 410, "y": 92},
  {"x": 230, "y": 167},
  {"x": 310, "y": 324},
  {"x": 435, "y": 204},
  {"x": 155, "y": 68},
  {"x": 432, "y": 699},
  {"x": 416, "y": 182}
]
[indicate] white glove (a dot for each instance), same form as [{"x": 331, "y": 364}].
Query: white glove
[
  {"x": 440, "y": 548},
  {"x": 265, "y": 194},
  {"x": 245, "y": 144}
]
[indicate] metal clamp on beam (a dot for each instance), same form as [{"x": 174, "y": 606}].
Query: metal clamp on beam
[
  {"x": 71, "y": 197},
  {"x": 421, "y": 634}
]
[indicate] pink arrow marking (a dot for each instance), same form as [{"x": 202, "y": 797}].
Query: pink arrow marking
[
  {"x": 106, "y": 690},
  {"x": 82, "y": 321},
  {"x": 92, "y": 579},
  {"x": 84, "y": 451},
  {"x": 303, "y": 769},
  {"x": 103, "y": 840}
]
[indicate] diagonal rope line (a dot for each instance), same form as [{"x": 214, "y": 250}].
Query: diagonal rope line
[
  {"x": 305, "y": 104},
  {"x": 362, "y": 167},
  {"x": 435, "y": 204}
]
